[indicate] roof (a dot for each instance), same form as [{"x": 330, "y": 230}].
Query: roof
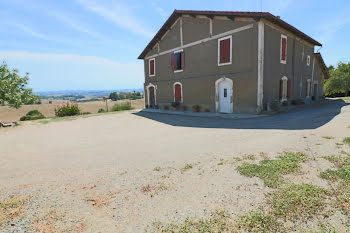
[
  {"x": 231, "y": 14},
  {"x": 324, "y": 68}
]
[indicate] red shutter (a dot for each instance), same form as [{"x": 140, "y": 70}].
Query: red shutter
[
  {"x": 182, "y": 60},
  {"x": 177, "y": 93},
  {"x": 284, "y": 46},
  {"x": 151, "y": 67},
  {"x": 225, "y": 51},
  {"x": 172, "y": 58},
  {"x": 288, "y": 89},
  {"x": 281, "y": 89}
]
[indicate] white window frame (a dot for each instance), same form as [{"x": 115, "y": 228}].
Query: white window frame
[
  {"x": 219, "y": 40},
  {"x": 182, "y": 97},
  {"x": 284, "y": 89},
  {"x": 149, "y": 67},
  {"x": 308, "y": 94},
  {"x": 182, "y": 69},
  {"x": 308, "y": 60},
  {"x": 282, "y": 37}
]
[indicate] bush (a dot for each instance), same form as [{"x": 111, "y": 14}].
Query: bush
[
  {"x": 175, "y": 104},
  {"x": 196, "y": 108},
  {"x": 122, "y": 107},
  {"x": 67, "y": 110},
  {"x": 32, "y": 115},
  {"x": 101, "y": 110}
]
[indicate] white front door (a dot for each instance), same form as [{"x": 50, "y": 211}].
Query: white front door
[{"x": 225, "y": 93}]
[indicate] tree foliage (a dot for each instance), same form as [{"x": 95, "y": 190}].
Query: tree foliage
[
  {"x": 339, "y": 82},
  {"x": 13, "y": 88}
]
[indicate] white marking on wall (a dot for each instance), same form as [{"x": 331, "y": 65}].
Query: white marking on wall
[
  {"x": 204, "y": 40},
  {"x": 260, "y": 66},
  {"x": 181, "y": 38},
  {"x": 211, "y": 27}
]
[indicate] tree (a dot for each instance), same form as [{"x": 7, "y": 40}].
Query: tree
[
  {"x": 113, "y": 96},
  {"x": 13, "y": 88},
  {"x": 339, "y": 82}
]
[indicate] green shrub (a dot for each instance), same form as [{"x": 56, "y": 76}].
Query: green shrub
[
  {"x": 32, "y": 115},
  {"x": 258, "y": 221},
  {"x": 101, "y": 110},
  {"x": 347, "y": 140},
  {"x": 196, "y": 108},
  {"x": 122, "y": 107},
  {"x": 274, "y": 106},
  {"x": 67, "y": 110},
  {"x": 271, "y": 171}
]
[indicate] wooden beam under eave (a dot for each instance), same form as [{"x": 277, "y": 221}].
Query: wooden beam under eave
[{"x": 231, "y": 17}]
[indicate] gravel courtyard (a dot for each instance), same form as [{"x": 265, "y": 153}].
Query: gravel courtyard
[{"x": 121, "y": 172}]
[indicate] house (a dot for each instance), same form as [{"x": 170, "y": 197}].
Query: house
[{"x": 231, "y": 62}]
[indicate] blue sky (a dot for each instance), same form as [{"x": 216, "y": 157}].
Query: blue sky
[{"x": 94, "y": 44}]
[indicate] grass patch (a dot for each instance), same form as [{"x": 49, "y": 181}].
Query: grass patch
[
  {"x": 343, "y": 171},
  {"x": 249, "y": 157},
  {"x": 154, "y": 190},
  {"x": 259, "y": 221},
  {"x": 219, "y": 221},
  {"x": 347, "y": 141},
  {"x": 327, "y": 137},
  {"x": 298, "y": 201},
  {"x": 157, "y": 169},
  {"x": 122, "y": 107},
  {"x": 187, "y": 167},
  {"x": 271, "y": 171},
  {"x": 11, "y": 208}
]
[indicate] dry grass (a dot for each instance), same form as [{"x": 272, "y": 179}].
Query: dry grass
[
  {"x": 11, "y": 208},
  {"x": 11, "y": 114},
  {"x": 154, "y": 190},
  {"x": 102, "y": 199}
]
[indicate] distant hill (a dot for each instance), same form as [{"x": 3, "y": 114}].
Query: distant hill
[{"x": 97, "y": 93}]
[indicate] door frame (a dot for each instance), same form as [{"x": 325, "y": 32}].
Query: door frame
[
  {"x": 155, "y": 93},
  {"x": 182, "y": 97},
  {"x": 217, "y": 93}
]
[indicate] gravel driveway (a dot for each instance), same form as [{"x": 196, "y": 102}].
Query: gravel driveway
[{"x": 121, "y": 172}]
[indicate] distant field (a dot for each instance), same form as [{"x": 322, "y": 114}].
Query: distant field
[{"x": 11, "y": 114}]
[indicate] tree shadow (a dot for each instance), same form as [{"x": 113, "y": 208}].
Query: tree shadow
[{"x": 306, "y": 118}]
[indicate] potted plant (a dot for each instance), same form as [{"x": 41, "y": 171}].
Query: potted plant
[
  {"x": 166, "y": 107},
  {"x": 183, "y": 108},
  {"x": 206, "y": 110},
  {"x": 156, "y": 106},
  {"x": 146, "y": 106},
  {"x": 285, "y": 103},
  {"x": 175, "y": 105},
  {"x": 196, "y": 108}
]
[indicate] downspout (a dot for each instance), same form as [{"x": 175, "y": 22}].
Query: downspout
[{"x": 260, "y": 94}]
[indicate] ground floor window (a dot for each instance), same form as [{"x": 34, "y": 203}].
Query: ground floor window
[
  {"x": 284, "y": 89},
  {"x": 308, "y": 88}
]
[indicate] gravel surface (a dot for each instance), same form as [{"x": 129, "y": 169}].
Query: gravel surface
[{"x": 121, "y": 172}]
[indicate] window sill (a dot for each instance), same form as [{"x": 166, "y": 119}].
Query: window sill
[
  {"x": 178, "y": 71},
  {"x": 151, "y": 76},
  {"x": 283, "y": 62},
  {"x": 225, "y": 64}
]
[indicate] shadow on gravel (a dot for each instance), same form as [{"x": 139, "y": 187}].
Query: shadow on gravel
[{"x": 307, "y": 118}]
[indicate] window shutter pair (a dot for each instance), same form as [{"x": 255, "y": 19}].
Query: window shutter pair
[
  {"x": 173, "y": 62},
  {"x": 225, "y": 51},
  {"x": 284, "y": 48},
  {"x": 151, "y": 67}
]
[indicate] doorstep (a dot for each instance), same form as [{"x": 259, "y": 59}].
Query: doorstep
[{"x": 204, "y": 114}]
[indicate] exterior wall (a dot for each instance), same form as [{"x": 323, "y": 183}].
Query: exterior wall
[
  {"x": 201, "y": 65},
  {"x": 296, "y": 68},
  {"x": 319, "y": 79}
]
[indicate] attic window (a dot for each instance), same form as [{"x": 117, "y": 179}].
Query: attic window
[
  {"x": 152, "y": 67},
  {"x": 308, "y": 60},
  {"x": 283, "y": 53},
  {"x": 225, "y": 51},
  {"x": 177, "y": 61}
]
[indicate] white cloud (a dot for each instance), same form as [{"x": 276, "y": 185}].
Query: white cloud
[
  {"x": 118, "y": 14},
  {"x": 160, "y": 10},
  {"x": 50, "y": 71},
  {"x": 30, "y": 31}
]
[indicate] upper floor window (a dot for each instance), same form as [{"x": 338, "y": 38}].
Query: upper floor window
[
  {"x": 308, "y": 59},
  {"x": 178, "y": 61},
  {"x": 152, "y": 67},
  {"x": 225, "y": 51},
  {"x": 283, "y": 53}
]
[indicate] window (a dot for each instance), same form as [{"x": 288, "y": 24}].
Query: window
[
  {"x": 178, "y": 92},
  {"x": 284, "y": 89},
  {"x": 225, "y": 51},
  {"x": 308, "y": 60},
  {"x": 283, "y": 52},
  {"x": 178, "y": 61},
  {"x": 308, "y": 88},
  {"x": 152, "y": 67}
]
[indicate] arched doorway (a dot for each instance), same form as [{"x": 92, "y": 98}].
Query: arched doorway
[
  {"x": 178, "y": 92},
  {"x": 224, "y": 93},
  {"x": 151, "y": 93}
]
